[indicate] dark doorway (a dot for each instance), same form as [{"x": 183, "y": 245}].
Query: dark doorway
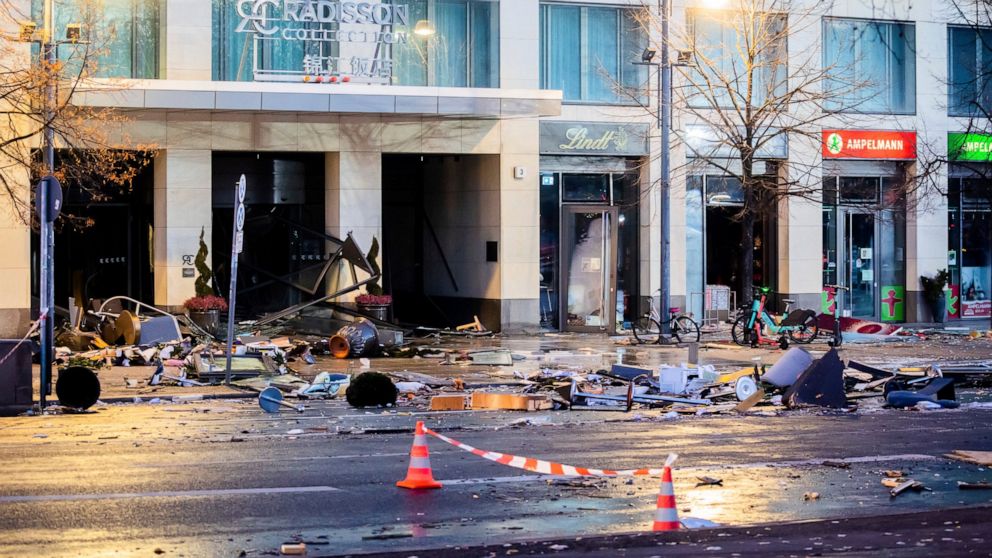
[
  {"x": 103, "y": 243},
  {"x": 724, "y": 232},
  {"x": 284, "y": 250},
  {"x": 440, "y": 238}
]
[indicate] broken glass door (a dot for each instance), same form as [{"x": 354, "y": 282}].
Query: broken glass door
[{"x": 589, "y": 236}]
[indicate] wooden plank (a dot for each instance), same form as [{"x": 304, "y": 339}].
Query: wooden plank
[{"x": 751, "y": 401}]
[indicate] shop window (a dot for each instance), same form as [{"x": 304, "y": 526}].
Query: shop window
[
  {"x": 969, "y": 69},
  {"x": 462, "y": 51},
  {"x": 718, "y": 42},
  {"x": 121, "y": 36},
  {"x": 970, "y": 247},
  {"x": 589, "y": 53},
  {"x": 872, "y": 66},
  {"x": 586, "y": 188}
]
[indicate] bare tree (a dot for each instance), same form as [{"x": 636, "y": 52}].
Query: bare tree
[
  {"x": 93, "y": 152},
  {"x": 741, "y": 85}
]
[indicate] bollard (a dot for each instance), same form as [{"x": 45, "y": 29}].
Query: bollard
[{"x": 694, "y": 353}]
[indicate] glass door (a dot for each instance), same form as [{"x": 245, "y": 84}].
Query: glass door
[
  {"x": 589, "y": 244},
  {"x": 859, "y": 239}
]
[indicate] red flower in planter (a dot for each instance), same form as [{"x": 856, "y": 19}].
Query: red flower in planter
[
  {"x": 205, "y": 303},
  {"x": 373, "y": 300}
]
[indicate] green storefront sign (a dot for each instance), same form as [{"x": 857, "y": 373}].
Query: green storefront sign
[
  {"x": 969, "y": 147},
  {"x": 893, "y": 303}
]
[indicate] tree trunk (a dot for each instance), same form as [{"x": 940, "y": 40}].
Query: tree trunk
[{"x": 747, "y": 257}]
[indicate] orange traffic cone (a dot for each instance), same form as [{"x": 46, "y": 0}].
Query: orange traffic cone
[
  {"x": 666, "y": 518},
  {"x": 419, "y": 474}
]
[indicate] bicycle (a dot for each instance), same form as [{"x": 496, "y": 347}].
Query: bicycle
[
  {"x": 647, "y": 328},
  {"x": 799, "y": 325},
  {"x": 838, "y": 338}
]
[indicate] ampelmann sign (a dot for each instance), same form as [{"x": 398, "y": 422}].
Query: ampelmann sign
[{"x": 276, "y": 18}]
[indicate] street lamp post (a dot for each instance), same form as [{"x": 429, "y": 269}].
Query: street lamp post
[
  {"x": 664, "y": 127},
  {"x": 49, "y": 190},
  {"x": 46, "y": 304}
]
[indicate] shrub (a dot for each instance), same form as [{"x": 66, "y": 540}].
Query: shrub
[{"x": 205, "y": 303}]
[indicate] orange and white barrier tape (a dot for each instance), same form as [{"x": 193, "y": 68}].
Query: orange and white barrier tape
[{"x": 544, "y": 467}]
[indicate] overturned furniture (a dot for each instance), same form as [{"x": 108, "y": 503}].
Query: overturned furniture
[{"x": 134, "y": 327}]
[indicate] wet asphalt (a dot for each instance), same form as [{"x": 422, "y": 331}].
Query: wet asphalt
[{"x": 218, "y": 478}]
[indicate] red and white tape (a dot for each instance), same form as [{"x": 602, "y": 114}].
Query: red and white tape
[{"x": 545, "y": 467}]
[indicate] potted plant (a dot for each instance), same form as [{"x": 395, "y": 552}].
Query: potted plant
[
  {"x": 373, "y": 302},
  {"x": 375, "y": 305},
  {"x": 205, "y": 311},
  {"x": 933, "y": 293}
]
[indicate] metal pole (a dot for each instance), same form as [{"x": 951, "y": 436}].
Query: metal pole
[
  {"x": 665, "y": 126},
  {"x": 231, "y": 300},
  {"x": 46, "y": 235}
]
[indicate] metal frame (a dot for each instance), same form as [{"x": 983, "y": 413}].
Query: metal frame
[{"x": 566, "y": 236}]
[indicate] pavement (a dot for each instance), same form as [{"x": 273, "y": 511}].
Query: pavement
[{"x": 217, "y": 477}]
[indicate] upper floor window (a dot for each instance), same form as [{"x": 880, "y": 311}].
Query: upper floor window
[
  {"x": 445, "y": 43},
  {"x": 120, "y": 36},
  {"x": 872, "y": 66},
  {"x": 969, "y": 69},
  {"x": 589, "y": 52},
  {"x": 738, "y": 60}
]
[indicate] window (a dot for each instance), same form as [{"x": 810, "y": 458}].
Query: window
[
  {"x": 872, "y": 66},
  {"x": 589, "y": 53},
  {"x": 463, "y": 51},
  {"x": 723, "y": 67},
  {"x": 122, "y": 35},
  {"x": 969, "y": 67}
]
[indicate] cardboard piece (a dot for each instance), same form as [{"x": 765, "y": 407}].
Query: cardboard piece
[
  {"x": 822, "y": 384},
  {"x": 448, "y": 402},
  {"x": 510, "y": 401},
  {"x": 977, "y": 457}
]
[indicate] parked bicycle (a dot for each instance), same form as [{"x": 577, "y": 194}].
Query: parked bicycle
[
  {"x": 751, "y": 328},
  {"x": 838, "y": 338},
  {"x": 647, "y": 328}
]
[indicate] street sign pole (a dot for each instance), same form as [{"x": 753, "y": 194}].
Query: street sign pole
[
  {"x": 46, "y": 232},
  {"x": 237, "y": 243}
]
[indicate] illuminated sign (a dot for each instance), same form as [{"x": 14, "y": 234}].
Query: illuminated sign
[
  {"x": 360, "y": 35},
  {"x": 969, "y": 147},
  {"x": 868, "y": 144},
  {"x": 592, "y": 138}
]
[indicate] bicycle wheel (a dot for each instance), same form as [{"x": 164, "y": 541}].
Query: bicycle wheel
[
  {"x": 806, "y": 332},
  {"x": 685, "y": 329},
  {"x": 739, "y": 330},
  {"x": 646, "y": 330}
]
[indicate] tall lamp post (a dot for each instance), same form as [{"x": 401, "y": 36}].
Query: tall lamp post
[
  {"x": 664, "y": 120},
  {"x": 49, "y": 194}
]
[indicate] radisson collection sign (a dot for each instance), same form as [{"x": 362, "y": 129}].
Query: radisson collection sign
[{"x": 364, "y": 31}]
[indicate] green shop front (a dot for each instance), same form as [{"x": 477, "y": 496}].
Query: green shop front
[
  {"x": 969, "y": 225},
  {"x": 864, "y": 221}
]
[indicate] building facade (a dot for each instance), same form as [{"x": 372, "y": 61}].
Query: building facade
[{"x": 503, "y": 154}]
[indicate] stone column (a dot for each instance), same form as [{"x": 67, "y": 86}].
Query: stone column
[
  {"x": 519, "y": 210},
  {"x": 353, "y": 189},
  {"x": 183, "y": 207},
  {"x": 185, "y": 40},
  {"x": 519, "y": 44},
  {"x": 15, "y": 237},
  {"x": 800, "y": 230}
]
